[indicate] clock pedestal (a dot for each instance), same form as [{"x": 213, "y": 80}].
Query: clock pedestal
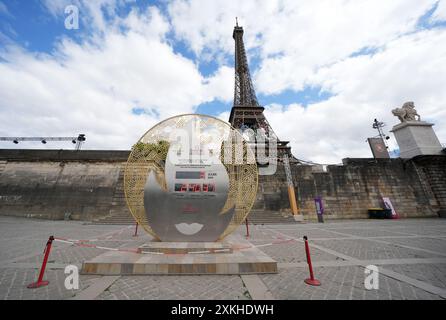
[
  {"x": 234, "y": 256},
  {"x": 416, "y": 138}
]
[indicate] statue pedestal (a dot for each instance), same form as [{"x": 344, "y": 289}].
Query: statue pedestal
[{"x": 416, "y": 138}]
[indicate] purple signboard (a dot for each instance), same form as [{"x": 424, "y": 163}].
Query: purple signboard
[{"x": 319, "y": 208}]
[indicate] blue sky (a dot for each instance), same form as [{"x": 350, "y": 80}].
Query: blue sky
[
  {"x": 327, "y": 75},
  {"x": 30, "y": 25}
]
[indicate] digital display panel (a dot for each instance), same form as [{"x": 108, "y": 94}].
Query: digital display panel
[
  {"x": 189, "y": 175},
  {"x": 180, "y": 187},
  {"x": 194, "y": 187},
  {"x": 208, "y": 187}
]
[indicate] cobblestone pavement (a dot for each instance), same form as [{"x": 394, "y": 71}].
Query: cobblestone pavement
[
  {"x": 410, "y": 255},
  {"x": 177, "y": 287}
]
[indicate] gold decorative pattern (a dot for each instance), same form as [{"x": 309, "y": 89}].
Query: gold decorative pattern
[{"x": 243, "y": 175}]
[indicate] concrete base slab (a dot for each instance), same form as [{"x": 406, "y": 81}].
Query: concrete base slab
[
  {"x": 298, "y": 218},
  {"x": 244, "y": 259},
  {"x": 185, "y": 247}
]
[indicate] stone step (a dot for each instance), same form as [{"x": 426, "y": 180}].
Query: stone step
[
  {"x": 2, "y": 166},
  {"x": 130, "y": 221},
  {"x": 113, "y": 223},
  {"x": 269, "y": 217},
  {"x": 129, "y": 218},
  {"x": 126, "y": 217},
  {"x": 121, "y": 215},
  {"x": 116, "y": 218}
]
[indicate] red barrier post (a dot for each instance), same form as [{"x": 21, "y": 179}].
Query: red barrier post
[
  {"x": 40, "y": 282},
  {"x": 247, "y": 228},
  {"x": 136, "y": 230},
  {"x": 311, "y": 281}
]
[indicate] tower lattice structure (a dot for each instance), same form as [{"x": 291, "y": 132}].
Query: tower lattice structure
[{"x": 246, "y": 112}]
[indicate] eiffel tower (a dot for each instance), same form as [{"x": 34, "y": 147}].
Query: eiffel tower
[{"x": 246, "y": 112}]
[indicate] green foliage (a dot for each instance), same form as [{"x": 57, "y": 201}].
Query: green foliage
[{"x": 161, "y": 148}]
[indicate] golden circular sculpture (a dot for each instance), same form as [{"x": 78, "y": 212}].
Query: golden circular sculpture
[{"x": 191, "y": 178}]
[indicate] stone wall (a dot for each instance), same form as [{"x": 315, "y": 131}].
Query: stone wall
[
  {"x": 432, "y": 170},
  {"x": 51, "y": 183},
  {"x": 417, "y": 188}
]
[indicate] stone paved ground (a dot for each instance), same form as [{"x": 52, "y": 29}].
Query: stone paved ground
[{"x": 410, "y": 254}]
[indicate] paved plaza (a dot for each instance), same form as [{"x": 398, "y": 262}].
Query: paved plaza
[{"x": 410, "y": 256}]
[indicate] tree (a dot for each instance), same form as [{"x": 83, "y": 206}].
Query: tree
[{"x": 161, "y": 148}]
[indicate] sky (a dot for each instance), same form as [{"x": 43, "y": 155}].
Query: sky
[{"x": 323, "y": 70}]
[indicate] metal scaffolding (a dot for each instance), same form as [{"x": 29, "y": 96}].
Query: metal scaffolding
[{"x": 78, "y": 141}]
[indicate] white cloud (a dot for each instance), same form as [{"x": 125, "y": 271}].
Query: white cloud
[
  {"x": 224, "y": 116},
  {"x": 294, "y": 38},
  {"x": 440, "y": 13},
  {"x": 411, "y": 68},
  {"x": 318, "y": 44},
  {"x": 93, "y": 86},
  {"x": 207, "y": 25},
  {"x": 57, "y": 7},
  {"x": 91, "y": 13},
  {"x": 221, "y": 84}
]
